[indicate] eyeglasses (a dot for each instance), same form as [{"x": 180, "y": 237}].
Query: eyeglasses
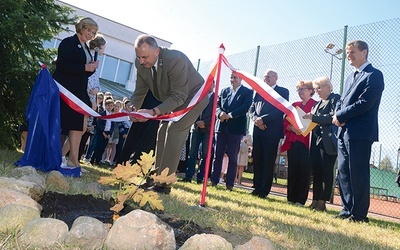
[
  {"x": 90, "y": 31},
  {"x": 269, "y": 76},
  {"x": 319, "y": 88},
  {"x": 301, "y": 89}
]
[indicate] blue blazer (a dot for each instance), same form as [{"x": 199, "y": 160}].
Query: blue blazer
[
  {"x": 358, "y": 107},
  {"x": 101, "y": 125},
  {"x": 238, "y": 108},
  {"x": 271, "y": 116}
]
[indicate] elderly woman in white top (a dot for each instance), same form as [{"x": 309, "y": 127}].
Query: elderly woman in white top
[{"x": 323, "y": 148}]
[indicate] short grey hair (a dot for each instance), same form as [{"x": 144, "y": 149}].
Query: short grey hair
[
  {"x": 145, "y": 38},
  {"x": 322, "y": 81}
]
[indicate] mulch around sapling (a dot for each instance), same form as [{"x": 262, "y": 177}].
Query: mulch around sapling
[{"x": 69, "y": 207}]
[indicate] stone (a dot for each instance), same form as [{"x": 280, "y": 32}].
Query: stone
[
  {"x": 205, "y": 242},
  {"x": 8, "y": 196},
  {"x": 256, "y": 243},
  {"x": 21, "y": 171},
  {"x": 29, "y": 188},
  {"x": 140, "y": 230},
  {"x": 87, "y": 233},
  {"x": 56, "y": 180},
  {"x": 15, "y": 217},
  {"x": 43, "y": 233}
]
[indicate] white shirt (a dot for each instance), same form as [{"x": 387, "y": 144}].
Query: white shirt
[
  {"x": 107, "y": 127},
  {"x": 233, "y": 94}
]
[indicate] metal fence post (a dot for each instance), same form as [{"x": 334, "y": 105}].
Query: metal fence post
[{"x": 343, "y": 58}]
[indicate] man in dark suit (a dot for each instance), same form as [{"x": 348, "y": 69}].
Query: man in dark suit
[
  {"x": 357, "y": 119},
  {"x": 173, "y": 80},
  {"x": 267, "y": 132},
  {"x": 199, "y": 135},
  {"x": 232, "y": 106},
  {"x": 141, "y": 136}
]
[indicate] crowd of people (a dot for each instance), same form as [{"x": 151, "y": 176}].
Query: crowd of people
[{"x": 345, "y": 126}]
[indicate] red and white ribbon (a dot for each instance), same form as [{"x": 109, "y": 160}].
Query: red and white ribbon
[
  {"x": 257, "y": 84},
  {"x": 79, "y": 106},
  {"x": 268, "y": 94}
]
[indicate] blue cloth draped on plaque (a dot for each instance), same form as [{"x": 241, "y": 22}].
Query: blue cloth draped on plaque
[{"x": 43, "y": 145}]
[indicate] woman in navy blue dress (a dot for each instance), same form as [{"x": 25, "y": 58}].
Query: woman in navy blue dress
[{"x": 74, "y": 65}]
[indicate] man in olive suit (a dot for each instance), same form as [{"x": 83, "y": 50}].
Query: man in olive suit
[{"x": 173, "y": 80}]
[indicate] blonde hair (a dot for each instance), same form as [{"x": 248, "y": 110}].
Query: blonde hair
[
  {"x": 86, "y": 22},
  {"x": 307, "y": 84}
]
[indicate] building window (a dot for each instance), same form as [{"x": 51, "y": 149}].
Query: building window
[
  {"x": 124, "y": 69},
  {"x": 109, "y": 68},
  {"x": 115, "y": 70}
]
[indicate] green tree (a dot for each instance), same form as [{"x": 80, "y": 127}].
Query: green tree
[
  {"x": 25, "y": 25},
  {"x": 386, "y": 164}
]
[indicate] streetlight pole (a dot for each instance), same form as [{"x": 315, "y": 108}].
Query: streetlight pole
[
  {"x": 330, "y": 76},
  {"x": 328, "y": 49}
]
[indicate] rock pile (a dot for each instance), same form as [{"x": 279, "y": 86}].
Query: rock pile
[{"x": 20, "y": 212}]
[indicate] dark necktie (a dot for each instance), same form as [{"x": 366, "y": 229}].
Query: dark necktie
[
  {"x": 155, "y": 81},
  {"x": 355, "y": 75}
]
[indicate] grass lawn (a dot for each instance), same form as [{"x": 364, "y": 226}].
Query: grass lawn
[{"x": 238, "y": 216}]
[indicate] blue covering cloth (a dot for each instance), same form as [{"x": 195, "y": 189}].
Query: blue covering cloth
[{"x": 43, "y": 146}]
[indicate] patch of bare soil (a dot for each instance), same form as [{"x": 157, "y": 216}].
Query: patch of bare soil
[{"x": 69, "y": 207}]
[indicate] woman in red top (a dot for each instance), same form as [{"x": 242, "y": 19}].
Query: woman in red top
[{"x": 297, "y": 146}]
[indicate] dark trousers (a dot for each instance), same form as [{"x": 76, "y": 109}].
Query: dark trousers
[
  {"x": 101, "y": 144},
  {"x": 264, "y": 156},
  {"x": 354, "y": 176},
  {"x": 82, "y": 145},
  {"x": 322, "y": 169},
  {"x": 229, "y": 143},
  {"x": 118, "y": 151},
  {"x": 141, "y": 138},
  {"x": 197, "y": 137},
  {"x": 141, "y": 135},
  {"x": 299, "y": 171},
  {"x": 92, "y": 145},
  {"x": 182, "y": 166}
]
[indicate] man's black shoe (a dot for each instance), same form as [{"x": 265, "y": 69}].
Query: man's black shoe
[
  {"x": 255, "y": 192},
  {"x": 230, "y": 188},
  {"x": 185, "y": 180},
  {"x": 148, "y": 184},
  {"x": 358, "y": 219},
  {"x": 342, "y": 216},
  {"x": 161, "y": 190},
  {"x": 199, "y": 181},
  {"x": 262, "y": 196}
]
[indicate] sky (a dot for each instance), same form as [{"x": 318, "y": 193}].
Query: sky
[{"x": 198, "y": 28}]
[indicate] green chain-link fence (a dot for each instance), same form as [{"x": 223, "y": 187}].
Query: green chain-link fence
[{"x": 308, "y": 58}]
